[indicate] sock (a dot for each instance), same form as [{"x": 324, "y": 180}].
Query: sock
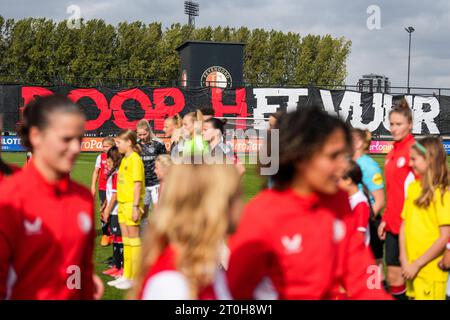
[
  {"x": 120, "y": 245},
  {"x": 121, "y": 255},
  {"x": 399, "y": 292},
  {"x": 104, "y": 228},
  {"x": 135, "y": 244},
  {"x": 118, "y": 252},
  {"x": 126, "y": 258}
]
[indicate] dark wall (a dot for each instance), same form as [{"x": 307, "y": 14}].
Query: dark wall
[{"x": 197, "y": 57}]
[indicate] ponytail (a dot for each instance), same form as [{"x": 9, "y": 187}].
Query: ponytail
[
  {"x": 365, "y": 136},
  {"x": 217, "y": 124},
  {"x": 367, "y": 195},
  {"x": 137, "y": 148},
  {"x": 114, "y": 154},
  {"x": 355, "y": 174}
]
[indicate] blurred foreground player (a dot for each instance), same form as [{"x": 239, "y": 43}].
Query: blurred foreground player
[
  {"x": 46, "y": 220},
  {"x": 299, "y": 240}
]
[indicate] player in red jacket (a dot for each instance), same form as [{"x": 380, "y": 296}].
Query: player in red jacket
[
  {"x": 100, "y": 176},
  {"x": 358, "y": 193},
  {"x": 299, "y": 240},
  {"x": 398, "y": 175},
  {"x": 46, "y": 220}
]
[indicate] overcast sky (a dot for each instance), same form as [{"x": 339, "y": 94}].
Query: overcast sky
[{"x": 382, "y": 51}]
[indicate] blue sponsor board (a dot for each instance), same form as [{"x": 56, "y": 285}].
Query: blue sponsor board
[
  {"x": 11, "y": 144},
  {"x": 447, "y": 146}
]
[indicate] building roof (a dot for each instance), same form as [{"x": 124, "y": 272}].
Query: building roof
[{"x": 208, "y": 42}]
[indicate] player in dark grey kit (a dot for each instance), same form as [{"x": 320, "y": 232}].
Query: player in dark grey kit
[{"x": 151, "y": 149}]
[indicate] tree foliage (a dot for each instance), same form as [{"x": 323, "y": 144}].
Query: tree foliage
[{"x": 41, "y": 51}]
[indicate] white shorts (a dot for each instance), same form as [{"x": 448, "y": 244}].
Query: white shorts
[
  {"x": 151, "y": 195},
  {"x": 448, "y": 286}
]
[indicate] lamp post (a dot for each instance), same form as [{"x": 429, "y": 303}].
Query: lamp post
[{"x": 410, "y": 30}]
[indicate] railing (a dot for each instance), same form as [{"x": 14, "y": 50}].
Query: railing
[{"x": 121, "y": 82}]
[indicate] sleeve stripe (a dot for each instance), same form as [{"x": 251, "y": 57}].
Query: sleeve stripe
[{"x": 409, "y": 179}]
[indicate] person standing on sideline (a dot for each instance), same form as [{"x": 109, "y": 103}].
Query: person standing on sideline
[
  {"x": 372, "y": 178},
  {"x": 100, "y": 176},
  {"x": 399, "y": 175},
  {"x": 425, "y": 228},
  {"x": 151, "y": 149},
  {"x": 130, "y": 197}
]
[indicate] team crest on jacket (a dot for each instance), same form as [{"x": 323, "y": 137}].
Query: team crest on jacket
[
  {"x": 338, "y": 230},
  {"x": 84, "y": 222},
  {"x": 32, "y": 227},
  {"x": 401, "y": 162},
  {"x": 292, "y": 244}
]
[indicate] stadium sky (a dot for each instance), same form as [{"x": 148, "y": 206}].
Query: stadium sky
[{"x": 382, "y": 51}]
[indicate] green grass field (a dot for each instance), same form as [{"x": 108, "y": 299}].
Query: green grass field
[{"x": 252, "y": 183}]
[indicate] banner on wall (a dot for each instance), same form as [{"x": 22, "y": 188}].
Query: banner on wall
[
  {"x": 447, "y": 146},
  {"x": 240, "y": 146},
  {"x": 12, "y": 144},
  {"x": 109, "y": 110}
]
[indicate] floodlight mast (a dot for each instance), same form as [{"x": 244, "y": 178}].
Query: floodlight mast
[{"x": 191, "y": 9}]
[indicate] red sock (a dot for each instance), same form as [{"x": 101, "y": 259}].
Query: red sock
[{"x": 398, "y": 290}]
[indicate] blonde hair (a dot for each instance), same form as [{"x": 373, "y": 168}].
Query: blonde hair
[
  {"x": 192, "y": 219},
  {"x": 437, "y": 174},
  {"x": 165, "y": 160},
  {"x": 195, "y": 116},
  {"x": 144, "y": 124},
  {"x": 109, "y": 140},
  {"x": 177, "y": 121},
  {"x": 130, "y": 135},
  {"x": 365, "y": 136}
]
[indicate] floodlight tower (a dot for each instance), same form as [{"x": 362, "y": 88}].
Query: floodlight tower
[
  {"x": 410, "y": 30},
  {"x": 191, "y": 8}
]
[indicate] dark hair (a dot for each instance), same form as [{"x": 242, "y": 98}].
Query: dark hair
[
  {"x": 355, "y": 174},
  {"x": 302, "y": 133},
  {"x": 217, "y": 124},
  {"x": 207, "y": 111},
  {"x": 277, "y": 115},
  {"x": 4, "y": 168},
  {"x": 37, "y": 112},
  {"x": 402, "y": 108},
  {"x": 114, "y": 154}
]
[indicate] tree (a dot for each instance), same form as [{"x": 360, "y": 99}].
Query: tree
[{"x": 41, "y": 51}]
